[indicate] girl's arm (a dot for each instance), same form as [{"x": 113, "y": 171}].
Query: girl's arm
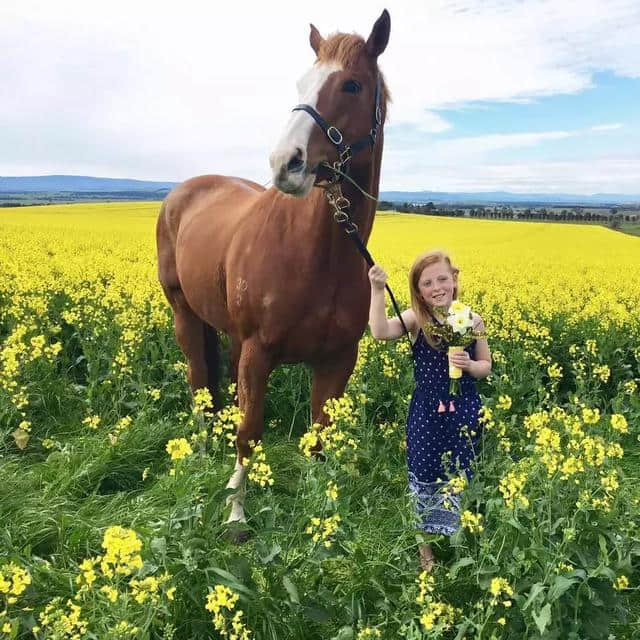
[
  {"x": 481, "y": 366},
  {"x": 383, "y": 328}
]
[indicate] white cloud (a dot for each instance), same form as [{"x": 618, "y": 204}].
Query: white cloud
[
  {"x": 148, "y": 90},
  {"x": 607, "y": 127}
]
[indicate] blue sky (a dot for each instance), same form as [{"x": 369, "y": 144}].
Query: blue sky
[
  {"x": 599, "y": 120},
  {"x": 488, "y": 95}
]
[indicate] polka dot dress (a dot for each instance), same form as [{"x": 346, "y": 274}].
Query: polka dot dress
[{"x": 439, "y": 436}]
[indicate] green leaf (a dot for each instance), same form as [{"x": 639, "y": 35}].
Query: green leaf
[
  {"x": 159, "y": 546},
  {"x": 291, "y": 589},
  {"x": 514, "y": 523},
  {"x": 232, "y": 581},
  {"x": 317, "y": 613},
  {"x": 271, "y": 554},
  {"x": 543, "y": 618},
  {"x": 345, "y": 633},
  {"x": 536, "y": 589},
  {"x": 456, "y": 566},
  {"x": 603, "y": 545},
  {"x": 559, "y": 586}
]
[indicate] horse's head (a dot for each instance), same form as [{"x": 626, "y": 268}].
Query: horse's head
[{"x": 339, "y": 94}]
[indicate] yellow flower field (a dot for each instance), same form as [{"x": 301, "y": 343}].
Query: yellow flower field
[{"x": 113, "y": 485}]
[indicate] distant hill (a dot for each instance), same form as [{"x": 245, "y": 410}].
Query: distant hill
[
  {"x": 79, "y": 184},
  {"x": 505, "y": 197},
  {"x": 93, "y": 187}
]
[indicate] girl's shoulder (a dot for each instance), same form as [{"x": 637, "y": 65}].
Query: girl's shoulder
[{"x": 478, "y": 322}]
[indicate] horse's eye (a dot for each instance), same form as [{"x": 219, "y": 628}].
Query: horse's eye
[{"x": 351, "y": 86}]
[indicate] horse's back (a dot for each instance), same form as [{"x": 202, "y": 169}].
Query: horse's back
[
  {"x": 196, "y": 225},
  {"x": 210, "y": 193}
]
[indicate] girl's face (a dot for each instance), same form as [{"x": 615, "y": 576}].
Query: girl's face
[{"x": 436, "y": 285}]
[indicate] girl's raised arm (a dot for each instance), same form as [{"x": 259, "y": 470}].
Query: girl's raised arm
[{"x": 383, "y": 328}]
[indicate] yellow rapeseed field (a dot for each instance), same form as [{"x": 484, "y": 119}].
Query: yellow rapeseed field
[{"x": 94, "y": 420}]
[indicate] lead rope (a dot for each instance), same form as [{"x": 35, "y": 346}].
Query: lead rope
[{"x": 340, "y": 205}]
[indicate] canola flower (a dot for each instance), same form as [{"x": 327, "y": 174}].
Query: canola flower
[
  {"x": 500, "y": 588},
  {"x": 324, "y": 529},
  {"x": 122, "y": 552},
  {"x": 178, "y": 449},
  {"x": 471, "y": 521},
  {"x": 221, "y": 602},
  {"x": 259, "y": 471}
]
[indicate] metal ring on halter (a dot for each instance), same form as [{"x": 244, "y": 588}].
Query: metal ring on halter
[
  {"x": 352, "y": 227},
  {"x": 378, "y": 115},
  {"x": 335, "y": 138},
  {"x": 342, "y": 203},
  {"x": 341, "y": 216}
]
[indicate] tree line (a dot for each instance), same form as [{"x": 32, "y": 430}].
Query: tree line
[{"x": 575, "y": 214}]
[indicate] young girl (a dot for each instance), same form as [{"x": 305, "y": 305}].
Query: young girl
[{"x": 435, "y": 421}]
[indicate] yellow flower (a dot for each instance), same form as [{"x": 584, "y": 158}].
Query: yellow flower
[
  {"x": 332, "y": 491},
  {"x": 554, "y": 371},
  {"x": 504, "y": 402},
  {"x": 622, "y": 582},
  {"x": 619, "y": 423},
  {"x": 590, "y": 416},
  {"x": 179, "y": 448},
  {"x": 471, "y": 521}
]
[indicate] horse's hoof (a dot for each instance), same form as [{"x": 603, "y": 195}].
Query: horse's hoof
[{"x": 236, "y": 534}]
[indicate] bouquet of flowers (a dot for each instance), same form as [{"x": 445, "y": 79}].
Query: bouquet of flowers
[{"x": 457, "y": 332}]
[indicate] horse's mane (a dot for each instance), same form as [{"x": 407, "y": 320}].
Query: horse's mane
[{"x": 345, "y": 49}]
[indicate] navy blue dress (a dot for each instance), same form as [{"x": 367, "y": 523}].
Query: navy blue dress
[{"x": 435, "y": 427}]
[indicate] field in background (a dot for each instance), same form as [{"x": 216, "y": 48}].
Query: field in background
[{"x": 107, "y": 532}]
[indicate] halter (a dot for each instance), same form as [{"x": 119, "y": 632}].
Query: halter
[
  {"x": 340, "y": 169},
  {"x": 346, "y": 151}
]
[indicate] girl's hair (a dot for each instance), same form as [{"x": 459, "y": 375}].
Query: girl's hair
[{"x": 424, "y": 313}]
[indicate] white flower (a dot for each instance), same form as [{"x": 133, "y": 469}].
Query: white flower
[{"x": 460, "y": 322}]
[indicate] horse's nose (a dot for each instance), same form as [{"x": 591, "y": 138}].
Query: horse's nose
[{"x": 296, "y": 162}]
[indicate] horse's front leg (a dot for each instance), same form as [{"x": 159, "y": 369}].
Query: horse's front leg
[
  {"x": 254, "y": 367},
  {"x": 330, "y": 378}
]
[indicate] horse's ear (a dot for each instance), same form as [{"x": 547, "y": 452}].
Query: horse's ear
[
  {"x": 379, "y": 37},
  {"x": 315, "y": 39}
]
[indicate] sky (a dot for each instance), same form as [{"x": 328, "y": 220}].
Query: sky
[{"x": 512, "y": 95}]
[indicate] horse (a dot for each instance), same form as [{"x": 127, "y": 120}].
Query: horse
[{"x": 270, "y": 267}]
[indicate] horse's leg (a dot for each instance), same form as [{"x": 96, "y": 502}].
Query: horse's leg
[
  {"x": 199, "y": 343},
  {"x": 330, "y": 378},
  {"x": 236, "y": 347},
  {"x": 254, "y": 367}
]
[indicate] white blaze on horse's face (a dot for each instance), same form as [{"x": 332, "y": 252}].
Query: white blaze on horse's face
[{"x": 291, "y": 171}]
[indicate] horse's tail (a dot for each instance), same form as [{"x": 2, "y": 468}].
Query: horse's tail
[{"x": 212, "y": 360}]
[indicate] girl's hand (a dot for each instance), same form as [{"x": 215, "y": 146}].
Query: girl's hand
[
  {"x": 377, "y": 277},
  {"x": 460, "y": 359}
]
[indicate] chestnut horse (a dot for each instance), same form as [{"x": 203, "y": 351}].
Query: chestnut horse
[{"x": 270, "y": 267}]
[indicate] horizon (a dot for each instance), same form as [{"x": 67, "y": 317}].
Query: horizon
[{"x": 385, "y": 190}]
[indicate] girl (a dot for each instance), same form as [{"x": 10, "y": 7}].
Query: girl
[{"x": 435, "y": 421}]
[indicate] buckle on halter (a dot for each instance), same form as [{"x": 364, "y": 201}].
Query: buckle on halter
[
  {"x": 373, "y": 134},
  {"x": 378, "y": 115},
  {"x": 334, "y": 135}
]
